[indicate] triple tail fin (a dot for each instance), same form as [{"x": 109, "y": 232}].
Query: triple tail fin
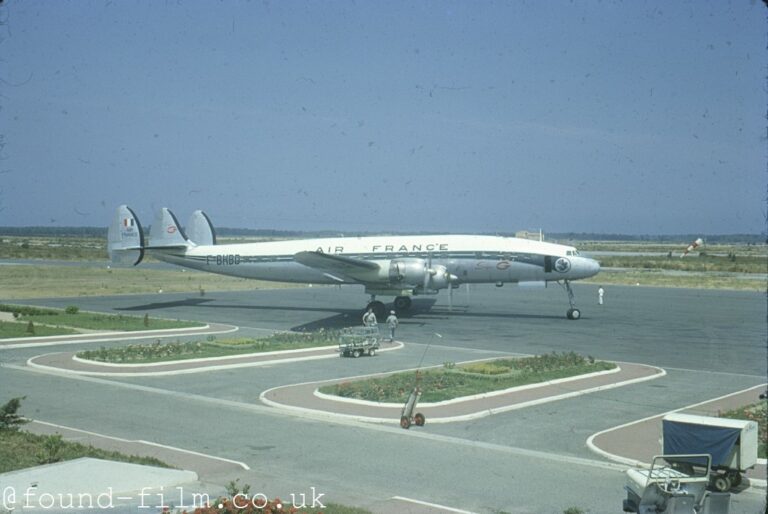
[
  {"x": 125, "y": 237},
  {"x": 166, "y": 232},
  {"x": 200, "y": 229}
]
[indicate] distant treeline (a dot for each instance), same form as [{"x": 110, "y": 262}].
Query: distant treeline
[{"x": 101, "y": 232}]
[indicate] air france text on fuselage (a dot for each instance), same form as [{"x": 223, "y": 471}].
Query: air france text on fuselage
[{"x": 385, "y": 248}]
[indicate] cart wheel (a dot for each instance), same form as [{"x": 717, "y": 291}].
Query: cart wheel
[
  {"x": 419, "y": 419},
  {"x": 721, "y": 483},
  {"x": 356, "y": 354},
  {"x": 372, "y": 352},
  {"x": 735, "y": 478},
  {"x": 405, "y": 422}
]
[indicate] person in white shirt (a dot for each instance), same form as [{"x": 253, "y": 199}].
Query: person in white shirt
[{"x": 392, "y": 323}]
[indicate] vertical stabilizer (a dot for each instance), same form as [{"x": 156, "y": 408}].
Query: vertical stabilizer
[
  {"x": 125, "y": 237},
  {"x": 200, "y": 229},
  {"x": 166, "y": 231}
]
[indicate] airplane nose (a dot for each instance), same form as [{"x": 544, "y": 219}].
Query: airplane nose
[{"x": 588, "y": 267}]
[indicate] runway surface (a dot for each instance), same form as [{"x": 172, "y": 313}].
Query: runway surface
[{"x": 536, "y": 460}]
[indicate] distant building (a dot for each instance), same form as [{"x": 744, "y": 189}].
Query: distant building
[{"x": 527, "y": 234}]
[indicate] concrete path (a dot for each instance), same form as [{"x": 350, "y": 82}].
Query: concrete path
[
  {"x": 635, "y": 444},
  {"x": 89, "y": 484}
]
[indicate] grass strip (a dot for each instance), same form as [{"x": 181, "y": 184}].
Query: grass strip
[
  {"x": 658, "y": 278},
  {"x": 46, "y": 281},
  {"x": 72, "y": 318},
  {"x": 451, "y": 381},
  {"x": 701, "y": 264},
  {"x": 13, "y": 329},
  {"x": 20, "y": 449}
]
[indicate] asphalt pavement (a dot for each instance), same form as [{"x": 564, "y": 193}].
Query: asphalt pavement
[{"x": 536, "y": 459}]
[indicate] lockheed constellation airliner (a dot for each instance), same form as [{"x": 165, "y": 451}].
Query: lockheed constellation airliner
[{"x": 399, "y": 266}]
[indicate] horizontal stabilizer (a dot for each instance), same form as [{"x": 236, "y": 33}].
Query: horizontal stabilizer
[
  {"x": 166, "y": 231},
  {"x": 125, "y": 237},
  {"x": 200, "y": 229}
]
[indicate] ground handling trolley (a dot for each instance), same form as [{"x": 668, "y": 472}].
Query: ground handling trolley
[
  {"x": 357, "y": 341},
  {"x": 407, "y": 416},
  {"x": 731, "y": 443}
]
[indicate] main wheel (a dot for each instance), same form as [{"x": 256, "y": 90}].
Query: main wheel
[
  {"x": 372, "y": 352},
  {"x": 402, "y": 303},
  {"x": 405, "y": 422},
  {"x": 735, "y": 478},
  {"x": 419, "y": 419},
  {"x": 721, "y": 483},
  {"x": 356, "y": 353},
  {"x": 573, "y": 314},
  {"x": 379, "y": 309}
]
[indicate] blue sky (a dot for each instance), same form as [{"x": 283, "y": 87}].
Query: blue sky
[{"x": 613, "y": 117}]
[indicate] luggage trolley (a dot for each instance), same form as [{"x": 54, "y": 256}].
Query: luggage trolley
[{"x": 357, "y": 341}]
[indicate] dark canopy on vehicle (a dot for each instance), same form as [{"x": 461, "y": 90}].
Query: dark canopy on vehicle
[{"x": 686, "y": 438}]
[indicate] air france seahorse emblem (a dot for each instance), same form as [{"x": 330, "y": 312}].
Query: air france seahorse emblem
[{"x": 562, "y": 265}]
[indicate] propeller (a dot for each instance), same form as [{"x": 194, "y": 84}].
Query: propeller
[
  {"x": 428, "y": 272},
  {"x": 445, "y": 278}
]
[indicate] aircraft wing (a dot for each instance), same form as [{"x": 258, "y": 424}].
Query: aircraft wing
[{"x": 337, "y": 267}]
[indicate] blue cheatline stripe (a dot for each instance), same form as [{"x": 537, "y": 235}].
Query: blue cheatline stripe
[{"x": 530, "y": 259}]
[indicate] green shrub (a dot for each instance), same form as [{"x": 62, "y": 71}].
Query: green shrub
[
  {"x": 25, "y": 310},
  {"x": 9, "y": 420},
  {"x": 51, "y": 450},
  {"x": 72, "y": 309}
]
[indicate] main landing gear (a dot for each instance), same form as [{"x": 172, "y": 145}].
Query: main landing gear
[
  {"x": 379, "y": 309},
  {"x": 401, "y": 304},
  {"x": 573, "y": 312}
]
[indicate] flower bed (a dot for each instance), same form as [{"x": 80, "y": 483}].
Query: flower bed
[
  {"x": 162, "y": 352},
  {"x": 451, "y": 381},
  {"x": 756, "y": 412}
]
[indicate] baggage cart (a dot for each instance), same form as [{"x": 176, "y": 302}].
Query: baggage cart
[
  {"x": 732, "y": 443},
  {"x": 357, "y": 341}
]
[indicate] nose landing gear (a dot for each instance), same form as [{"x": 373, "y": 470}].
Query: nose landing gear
[{"x": 573, "y": 312}]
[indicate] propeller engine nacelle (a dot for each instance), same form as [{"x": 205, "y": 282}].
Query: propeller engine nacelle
[
  {"x": 407, "y": 271},
  {"x": 418, "y": 273}
]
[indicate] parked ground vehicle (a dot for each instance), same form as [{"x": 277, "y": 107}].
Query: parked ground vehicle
[
  {"x": 666, "y": 488},
  {"x": 732, "y": 444}
]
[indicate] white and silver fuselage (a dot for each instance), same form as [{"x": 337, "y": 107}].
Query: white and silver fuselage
[{"x": 470, "y": 258}]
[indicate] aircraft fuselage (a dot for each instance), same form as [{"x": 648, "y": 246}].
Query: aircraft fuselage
[{"x": 472, "y": 259}]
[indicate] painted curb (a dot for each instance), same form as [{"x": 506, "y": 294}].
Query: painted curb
[
  {"x": 755, "y": 482},
  {"x": 198, "y": 369},
  {"x": 450, "y": 419}
]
